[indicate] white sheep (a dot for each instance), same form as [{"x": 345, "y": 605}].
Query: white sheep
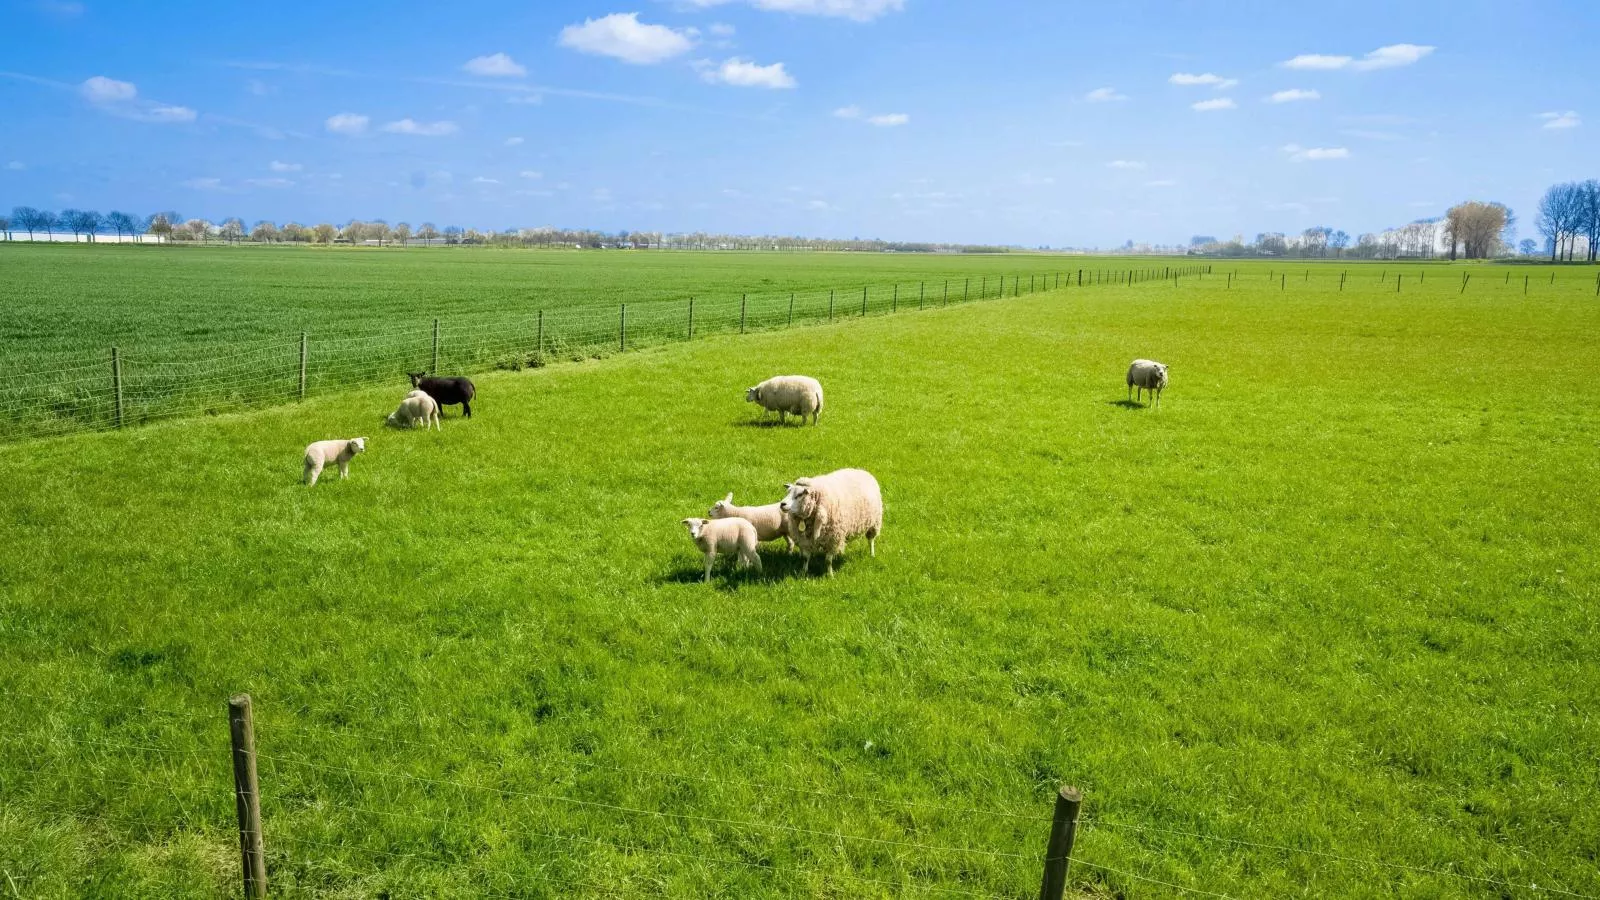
[
  {"x": 788, "y": 394},
  {"x": 769, "y": 520},
  {"x": 416, "y": 407},
  {"x": 828, "y": 510},
  {"x": 1147, "y": 375},
  {"x": 320, "y": 453},
  {"x": 715, "y": 536}
]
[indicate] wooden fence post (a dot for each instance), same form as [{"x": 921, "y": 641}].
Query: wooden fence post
[
  {"x": 540, "y": 338},
  {"x": 830, "y": 306},
  {"x": 302, "y": 365},
  {"x": 622, "y": 329},
  {"x": 983, "y": 288},
  {"x": 1058, "y": 853},
  {"x": 863, "y": 300},
  {"x": 1080, "y": 278},
  {"x": 1465, "y": 277},
  {"x": 1283, "y": 281},
  {"x": 894, "y": 302},
  {"x": 1397, "y": 283},
  {"x": 743, "y": 301},
  {"x": 247, "y": 796},
  {"x": 922, "y": 293},
  {"x": 116, "y": 386},
  {"x": 966, "y": 290},
  {"x": 435, "y": 369},
  {"x": 791, "y": 308},
  {"x": 691, "y": 319}
]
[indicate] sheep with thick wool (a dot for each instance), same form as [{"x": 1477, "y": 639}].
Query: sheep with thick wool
[
  {"x": 788, "y": 395},
  {"x": 828, "y": 510},
  {"x": 416, "y": 407},
  {"x": 736, "y": 536},
  {"x": 769, "y": 520},
  {"x": 1147, "y": 375},
  {"x": 320, "y": 453}
]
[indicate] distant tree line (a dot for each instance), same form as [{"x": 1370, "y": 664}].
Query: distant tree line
[
  {"x": 170, "y": 226},
  {"x": 1569, "y": 220},
  {"x": 1470, "y": 230}
]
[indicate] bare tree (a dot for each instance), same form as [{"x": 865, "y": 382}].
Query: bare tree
[
  {"x": 1338, "y": 241},
  {"x": 380, "y": 230},
  {"x": 197, "y": 229},
  {"x": 232, "y": 229},
  {"x": 1474, "y": 228},
  {"x": 122, "y": 223},
  {"x": 264, "y": 232},
  {"x": 1588, "y": 204},
  {"x": 325, "y": 233},
  {"x": 294, "y": 231},
  {"x": 29, "y": 219},
  {"x": 5, "y": 226},
  {"x": 1559, "y": 212},
  {"x": 402, "y": 233},
  {"x": 428, "y": 232}
]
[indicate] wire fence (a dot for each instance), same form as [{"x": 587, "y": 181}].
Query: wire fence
[
  {"x": 330, "y": 826},
  {"x": 126, "y": 386}
]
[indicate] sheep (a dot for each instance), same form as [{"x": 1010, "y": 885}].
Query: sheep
[
  {"x": 446, "y": 391},
  {"x": 828, "y": 510},
  {"x": 1147, "y": 375},
  {"x": 715, "y": 536},
  {"x": 320, "y": 453},
  {"x": 416, "y": 407},
  {"x": 787, "y": 394},
  {"x": 769, "y": 520}
]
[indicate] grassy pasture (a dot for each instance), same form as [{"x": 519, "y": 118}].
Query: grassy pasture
[{"x": 1338, "y": 595}]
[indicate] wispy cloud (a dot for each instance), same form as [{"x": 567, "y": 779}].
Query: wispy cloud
[
  {"x": 848, "y": 112},
  {"x": 1124, "y": 164},
  {"x": 495, "y": 65},
  {"x": 421, "y": 129},
  {"x": 888, "y": 120},
  {"x": 1161, "y": 183},
  {"x": 1389, "y": 57},
  {"x": 530, "y": 174},
  {"x": 1568, "y": 119},
  {"x": 348, "y": 123},
  {"x": 16, "y": 165},
  {"x": 744, "y": 73},
  {"x": 482, "y": 180},
  {"x": 1104, "y": 95},
  {"x": 1294, "y": 94},
  {"x": 859, "y": 10},
  {"x": 1314, "y": 154},
  {"x": 1207, "y": 79},
  {"x": 1371, "y": 135},
  {"x": 121, "y": 98},
  {"x": 284, "y": 167},
  {"x": 721, "y": 30},
  {"x": 622, "y": 36},
  {"x": 66, "y": 9},
  {"x": 101, "y": 89},
  {"x": 1213, "y": 105},
  {"x": 513, "y": 142},
  {"x": 204, "y": 184},
  {"x": 269, "y": 182}
]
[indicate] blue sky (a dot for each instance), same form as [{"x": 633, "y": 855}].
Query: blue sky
[{"x": 1003, "y": 121}]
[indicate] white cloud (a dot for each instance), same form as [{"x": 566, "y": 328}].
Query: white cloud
[
  {"x": 1371, "y": 135},
  {"x": 15, "y": 165},
  {"x": 348, "y": 123},
  {"x": 1568, "y": 119},
  {"x": 1391, "y": 57},
  {"x": 1208, "y": 79},
  {"x": 67, "y": 9},
  {"x": 284, "y": 167},
  {"x": 848, "y": 112},
  {"x": 859, "y": 10},
  {"x": 721, "y": 30},
  {"x": 1316, "y": 61},
  {"x": 623, "y": 36},
  {"x": 600, "y": 195},
  {"x": 421, "y": 129},
  {"x": 818, "y": 204},
  {"x": 889, "y": 120},
  {"x": 1163, "y": 182},
  {"x": 159, "y": 113},
  {"x": 482, "y": 180},
  {"x": 513, "y": 142},
  {"x": 1313, "y": 154},
  {"x": 744, "y": 73},
  {"x": 1293, "y": 94},
  {"x": 259, "y": 88},
  {"x": 497, "y": 65},
  {"x": 1104, "y": 95},
  {"x": 204, "y": 184},
  {"x": 269, "y": 182},
  {"x": 101, "y": 89},
  {"x": 1124, "y": 164},
  {"x": 1213, "y": 105},
  {"x": 529, "y": 173}
]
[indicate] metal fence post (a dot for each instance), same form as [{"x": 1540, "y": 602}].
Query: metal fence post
[
  {"x": 1058, "y": 853},
  {"x": 247, "y": 796},
  {"x": 302, "y": 365},
  {"x": 116, "y": 386}
]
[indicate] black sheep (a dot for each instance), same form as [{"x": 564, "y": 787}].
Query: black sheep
[{"x": 446, "y": 391}]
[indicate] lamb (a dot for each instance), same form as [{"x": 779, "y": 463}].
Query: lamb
[
  {"x": 416, "y": 407},
  {"x": 769, "y": 520},
  {"x": 715, "y": 536},
  {"x": 320, "y": 453},
  {"x": 787, "y": 394},
  {"x": 1147, "y": 375},
  {"x": 446, "y": 391},
  {"x": 828, "y": 510}
]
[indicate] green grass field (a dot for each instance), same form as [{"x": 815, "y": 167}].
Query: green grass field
[{"x": 1325, "y": 624}]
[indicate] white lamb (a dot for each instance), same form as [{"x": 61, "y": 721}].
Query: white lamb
[
  {"x": 321, "y": 453},
  {"x": 416, "y": 407},
  {"x": 769, "y": 520},
  {"x": 715, "y": 536},
  {"x": 788, "y": 394},
  {"x": 1147, "y": 375},
  {"x": 828, "y": 510}
]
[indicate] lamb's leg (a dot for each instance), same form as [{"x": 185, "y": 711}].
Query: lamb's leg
[
  {"x": 829, "y": 558},
  {"x": 783, "y": 417},
  {"x": 466, "y": 410},
  {"x": 710, "y": 558},
  {"x": 344, "y": 469},
  {"x": 754, "y": 560},
  {"x": 312, "y": 471}
]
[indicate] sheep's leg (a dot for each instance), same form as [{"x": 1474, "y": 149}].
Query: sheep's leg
[
  {"x": 872, "y": 544},
  {"x": 1130, "y": 390},
  {"x": 466, "y": 410},
  {"x": 312, "y": 471},
  {"x": 710, "y": 558},
  {"x": 754, "y": 560},
  {"x": 783, "y": 417},
  {"x": 344, "y": 469},
  {"x": 829, "y": 558}
]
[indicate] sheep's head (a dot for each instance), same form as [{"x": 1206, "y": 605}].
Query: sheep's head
[
  {"x": 1161, "y": 374},
  {"x": 694, "y": 526},
  {"x": 799, "y": 502},
  {"x": 719, "y": 509},
  {"x": 752, "y": 395},
  {"x": 360, "y": 444},
  {"x": 415, "y": 377}
]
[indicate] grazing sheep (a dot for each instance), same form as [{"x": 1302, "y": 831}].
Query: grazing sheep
[
  {"x": 416, "y": 407},
  {"x": 446, "y": 391},
  {"x": 828, "y": 510},
  {"x": 786, "y": 394},
  {"x": 321, "y": 453},
  {"x": 1147, "y": 375},
  {"x": 769, "y": 520},
  {"x": 715, "y": 536}
]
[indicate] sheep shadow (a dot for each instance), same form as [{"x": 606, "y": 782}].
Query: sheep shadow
[
  {"x": 776, "y": 565},
  {"x": 769, "y": 423},
  {"x": 1128, "y": 404}
]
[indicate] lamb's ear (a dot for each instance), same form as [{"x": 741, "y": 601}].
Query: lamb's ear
[{"x": 729, "y": 498}]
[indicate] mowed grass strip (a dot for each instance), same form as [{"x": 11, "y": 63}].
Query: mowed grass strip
[{"x": 1336, "y": 596}]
